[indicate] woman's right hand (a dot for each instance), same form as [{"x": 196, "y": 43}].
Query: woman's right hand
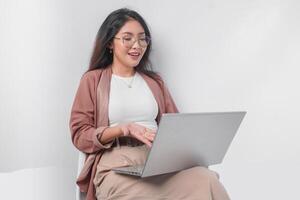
[{"x": 139, "y": 132}]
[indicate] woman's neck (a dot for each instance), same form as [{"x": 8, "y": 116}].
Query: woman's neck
[{"x": 123, "y": 71}]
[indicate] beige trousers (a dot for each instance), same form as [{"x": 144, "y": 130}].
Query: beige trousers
[{"x": 197, "y": 183}]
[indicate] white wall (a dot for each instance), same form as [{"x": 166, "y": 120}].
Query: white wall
[{"x": 214, "y": 56}]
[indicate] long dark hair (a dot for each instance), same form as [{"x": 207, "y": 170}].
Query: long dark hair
[{"x": 101, "y": 57}]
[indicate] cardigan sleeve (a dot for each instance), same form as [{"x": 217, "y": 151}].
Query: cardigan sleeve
[
  {"x": 85, "y": 136},
  {"x": 169, "y": 102},
  {"x": 170, "y": 105}
]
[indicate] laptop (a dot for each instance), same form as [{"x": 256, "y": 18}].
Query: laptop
[{"x": 185, "y": 140}]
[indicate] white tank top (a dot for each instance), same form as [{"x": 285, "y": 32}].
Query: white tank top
[{"x": 136, "y": 104}]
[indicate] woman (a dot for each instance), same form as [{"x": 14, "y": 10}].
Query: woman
[{"x": 115, "y": 115}]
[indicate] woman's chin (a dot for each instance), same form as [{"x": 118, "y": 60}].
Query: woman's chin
[
  {"x": 133, "y": 61},
  {"x": 133, "y": 64}
]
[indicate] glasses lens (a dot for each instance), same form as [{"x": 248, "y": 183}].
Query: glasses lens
[
  {"x": 144, "y": 41},
  {"x": 129, "y": 41}
]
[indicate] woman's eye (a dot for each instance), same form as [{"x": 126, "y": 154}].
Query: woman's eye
[{"x": 127, "y": 39}]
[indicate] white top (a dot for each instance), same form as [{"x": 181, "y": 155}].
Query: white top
[{"x": 136, "y": 104}]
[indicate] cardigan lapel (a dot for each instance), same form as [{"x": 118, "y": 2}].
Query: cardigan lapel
[{"x": 102, "y": 100}]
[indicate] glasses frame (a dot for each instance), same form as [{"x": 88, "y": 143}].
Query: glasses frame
[{"x": 135, "y": 40}]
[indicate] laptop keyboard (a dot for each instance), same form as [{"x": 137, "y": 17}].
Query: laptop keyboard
[
  {"x": 135, "y": 170},
  {"x": 138, "y": 168}
]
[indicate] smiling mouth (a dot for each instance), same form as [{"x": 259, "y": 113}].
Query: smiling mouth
[{"x": 134, "y": 56}]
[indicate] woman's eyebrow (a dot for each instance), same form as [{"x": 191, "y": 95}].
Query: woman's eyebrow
[{"x": 129, "y": 33}]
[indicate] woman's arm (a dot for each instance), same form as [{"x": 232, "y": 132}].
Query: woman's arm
[
  {"x": 110, "y": 134},
  {"x": 82, "y": 125}
]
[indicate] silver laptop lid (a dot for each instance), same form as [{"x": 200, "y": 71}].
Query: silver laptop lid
[{"x": 185, "y": 140}]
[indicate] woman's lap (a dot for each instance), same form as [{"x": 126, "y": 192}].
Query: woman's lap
[{"x": 191, "y": 183}]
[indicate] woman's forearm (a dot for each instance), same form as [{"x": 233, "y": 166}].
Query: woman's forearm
[{"x": 110, "y": 133}]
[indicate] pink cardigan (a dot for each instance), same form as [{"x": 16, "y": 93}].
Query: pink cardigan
[{"x": 89, "y": 118}]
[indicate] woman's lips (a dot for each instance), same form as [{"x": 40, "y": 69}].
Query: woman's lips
[{"x": 134, "y": 56}]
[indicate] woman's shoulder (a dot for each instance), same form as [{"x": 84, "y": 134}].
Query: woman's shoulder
[
  {"x": 92, "y": 74},
  {"x": 92, "y": 77},
  {"x": 155, "y": 76}
]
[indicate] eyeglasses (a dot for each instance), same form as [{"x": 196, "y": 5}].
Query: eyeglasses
[{"x": 129, "y": 41}]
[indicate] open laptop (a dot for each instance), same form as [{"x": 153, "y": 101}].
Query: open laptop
[{"x": 185, "y": 140}]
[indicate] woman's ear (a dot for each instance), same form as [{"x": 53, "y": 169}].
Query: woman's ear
[{"x": 110, "y": 46}]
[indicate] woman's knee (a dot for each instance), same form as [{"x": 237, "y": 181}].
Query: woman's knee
[{"x": 203, "y": 171}]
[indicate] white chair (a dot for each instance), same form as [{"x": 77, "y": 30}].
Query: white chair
[{"x": 81, "y": 159}]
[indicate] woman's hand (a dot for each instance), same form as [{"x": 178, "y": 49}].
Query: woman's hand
[{"x": 139, "y": 132}]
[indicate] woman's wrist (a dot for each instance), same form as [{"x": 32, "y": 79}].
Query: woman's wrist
[
  {"x": 124, "y": 129},
  {"x": 110, "y": 134}
]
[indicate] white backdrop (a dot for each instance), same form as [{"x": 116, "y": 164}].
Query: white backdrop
[{"x": 214, "y": 56}]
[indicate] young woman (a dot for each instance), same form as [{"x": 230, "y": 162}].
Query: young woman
[{"x": 115, "y": 115}]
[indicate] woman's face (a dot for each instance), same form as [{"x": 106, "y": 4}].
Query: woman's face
[{"x": 127, "y": 51}]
